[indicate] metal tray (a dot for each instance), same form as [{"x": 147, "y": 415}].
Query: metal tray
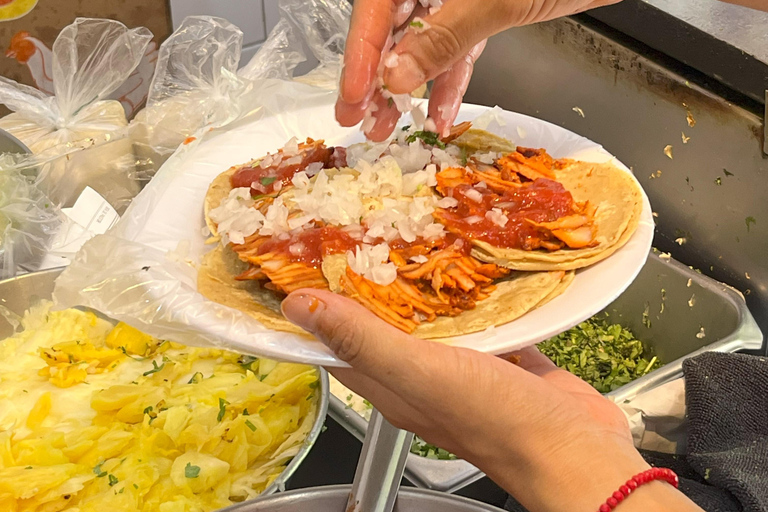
[
  {"x": 334, "y": 498},
  {"x": 19, "y": 293},
  {"x": 656, "y": 308}
]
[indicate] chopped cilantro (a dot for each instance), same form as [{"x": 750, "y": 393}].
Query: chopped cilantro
[
  {"x": 154, "y": 369},
  {"x": 606, "y": 356},
  {"x": 148, "y": 410},
  {"x": 349, "y": 397},
  {"x": 262, "y": 377},
  {"x": 191, "y": 471},
  {"x": 246, "y": 362},
  {"x": 250, "y": 425},
  {"x": 429, "y": 138},
  {"x": 406, "y": 128},
  {"x": 750, "y": 221},
  {"x": 267, "y": 180},
  {"x": 28, "y": 467},
  {"x": 390, "y": 102},
  {"x": 196, "y": 378},
  {"x": 97, "y": 470},
  {"x": 222, "y": 408},
  {"x": 112, "y": 480},
  {"x": 417, "y": 24},
  {"x": 314, "y": 385},
  {"x": 368, "y": 404},
  {"x": 430, "y": 451},
  {"x": 464, "y": 156},
  {"x": 135, "y": 486}
]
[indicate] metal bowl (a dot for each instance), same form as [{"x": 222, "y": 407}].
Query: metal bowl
[
  {"x": 10, "y": 144},
  {"x": 334, "y": 498},
  {"x": 19, "y": 293}
]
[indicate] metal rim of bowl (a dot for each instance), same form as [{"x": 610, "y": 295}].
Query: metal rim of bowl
[{"x": 304, "y": 496}]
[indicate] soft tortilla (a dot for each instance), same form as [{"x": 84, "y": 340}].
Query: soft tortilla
[
  {"x": 216, "y": 281},
  {"x": 511, "y": 299},
  {"x": 615, "y": 192}
]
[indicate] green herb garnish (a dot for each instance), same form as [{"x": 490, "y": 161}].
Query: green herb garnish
[
  {"x": 246, "y": 362},
  {"x": 429, "y": 138},
  {"x": 417, "y": 24},
  {"x": 390, "y": 102},
  {"x": 246, "y": 413},
  {"x": 267, "y": 180},
  {"x": 97, "y": 470},
  {"x": 607, "y": 356},
  {"x": 196, "y": 378},
  {"x": 112, "y": 480},
  {"x": 154, "y": 369},
  {"x": 250, "y": 425},
  {"x": 222, "y": 409},
  {"x": 191, "y": 471},
  {"x": 430, "y": 451}
]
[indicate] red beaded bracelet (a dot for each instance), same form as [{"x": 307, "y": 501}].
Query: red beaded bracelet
[{"x": 635, "y": 482}]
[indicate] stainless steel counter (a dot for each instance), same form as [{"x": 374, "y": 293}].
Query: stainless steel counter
[
  {"x": 724, "y": 42},
  {"x": 709, "y": 197}
]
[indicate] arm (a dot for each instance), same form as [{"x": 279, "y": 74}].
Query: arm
[
  {"x": 542, "y": 434},
  {"x": 760, "y": 5}
]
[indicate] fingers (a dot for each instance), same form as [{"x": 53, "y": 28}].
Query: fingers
[
  {"x": 349, "y": 114},
  {"x": 354, "y": 334},
  {"x": 449, "y": 88},
  {"x": 369, "y": 29},
  {"x": 452, "y": 32},
  {"x": 386, "y": 118}
]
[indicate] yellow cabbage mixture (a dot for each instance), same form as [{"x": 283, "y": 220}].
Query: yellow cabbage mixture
[{"x": 107, "y": 419}]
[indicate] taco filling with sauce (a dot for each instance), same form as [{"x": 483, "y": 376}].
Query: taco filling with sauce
[{"x": 398, "y": 226}]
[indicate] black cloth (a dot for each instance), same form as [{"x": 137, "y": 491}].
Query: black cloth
[
  {"x": 726, "y": 467},
  {"x": 726, "y": 398}
]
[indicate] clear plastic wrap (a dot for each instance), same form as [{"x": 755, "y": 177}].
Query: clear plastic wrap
[
  {"x": 195, "y": 85},
  {"x": 91, "y": 59},
  {"x": 28, "y": 220}
]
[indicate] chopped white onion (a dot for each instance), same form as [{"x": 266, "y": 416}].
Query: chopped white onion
[
  {"x": 497, "y": 217},
  {"x": 447, "y": 202},
  {"x": 474, "y": 195},
  {"x": 473, "y": 219}
]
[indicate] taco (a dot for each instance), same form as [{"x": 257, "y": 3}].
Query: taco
[
  {"x": 526, "y": 211},
  {"x": 361, "y": 221}
]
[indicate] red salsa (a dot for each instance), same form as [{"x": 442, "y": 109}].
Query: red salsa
[
  {"x": 270, "y": 179},
  {"x": 311, "y": 245},
  {"x": 542, "y": 200}
]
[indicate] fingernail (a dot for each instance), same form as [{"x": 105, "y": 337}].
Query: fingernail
[
  {"x": 303, "y": 310},
  {"x": 406, "y": 76}
]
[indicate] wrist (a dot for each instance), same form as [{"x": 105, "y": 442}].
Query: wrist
[{"x": 577, "y": 475}]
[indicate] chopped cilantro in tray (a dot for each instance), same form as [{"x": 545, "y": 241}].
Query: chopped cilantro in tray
[
  {"x": 607, "y": 356},
  {"x": 430, "y": 451}
]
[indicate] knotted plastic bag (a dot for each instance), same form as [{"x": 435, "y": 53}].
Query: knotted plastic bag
[
  {"x": 91, "y": 58},
  {"x": 195, "y": 85}
]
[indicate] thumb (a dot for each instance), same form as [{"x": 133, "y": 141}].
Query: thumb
[
  {"x": 353, "y": 333},
  {"x": 446, "y": 37}
]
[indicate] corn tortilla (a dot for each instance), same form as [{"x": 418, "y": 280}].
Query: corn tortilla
[{"x": 615, "y": 193}]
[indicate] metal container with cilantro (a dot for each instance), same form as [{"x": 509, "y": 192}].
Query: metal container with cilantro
[{"x": 670, "y": 313}]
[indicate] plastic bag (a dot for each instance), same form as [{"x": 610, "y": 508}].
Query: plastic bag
[
  {"x": 28, "y": 220},
  {"x": 91, "y": 58},
  {"x": 324, "y": 25},
  {"x": 195, "y": 86}
]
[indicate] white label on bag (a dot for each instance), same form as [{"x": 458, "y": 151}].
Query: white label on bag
[{"x": 91, "y": 215}]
